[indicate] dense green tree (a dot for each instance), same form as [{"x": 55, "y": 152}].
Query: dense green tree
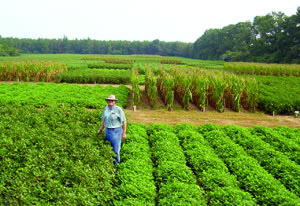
[
  {"x": 274, "y": 38},
  {"x": 6, "y": 50}
]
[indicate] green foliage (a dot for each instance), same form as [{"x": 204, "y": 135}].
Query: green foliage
[
  {"x": 96, "y": 65},
  {"x": 166, "y": 88},
  {"x": 275, "y": 162},
  {"x": 30, "y": 70},
  {"x": 172, "y": 174},
  {"x": 145, "y": 49},
  {"x": 100, "y": 76},
  {"x": 221, "y": 187},
  {"x": 252, "y": 177},
  {"x": 219, "y": 85},
  {"x": 46, "y": 94},
  {"x": 151, "y": 87},
  {"x": 280, "y": 143},
  {"x": 136, "y": 93},
  {"x": 278, "y": 94},
  {"x": 237, "y": 86},
  {"x": 273, "y": 38},
  {"x": 6, "y": 50},
  {"x": 135, "y": 184},
  {"x": 199, "y": 90},
  {"x": 182, "y": 85},
  {"x": 53, "y": 156},
  {"x": 252, "y": 93},
  {"x": 263, "y": 69}
]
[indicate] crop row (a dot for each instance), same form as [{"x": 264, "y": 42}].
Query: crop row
[
  {"x": 252, "y": 177},
  {"x": 274, "y": 161},
  {"x": 175, "y": 180},
  {"x": 46, "y": 94},
  {"x": 135, "y": 182},
  {"x": 279, "y": 142},
  {"x": 100, "y": 76},
  {"x": 221, "y": 187},
  {"x": 262, "y": 69},
  {"x": 30, "y": 70},
  {"x": 109, "y": 66},
  {"x": 151, "y": 87},
  {"x": 293, "y": 135}
]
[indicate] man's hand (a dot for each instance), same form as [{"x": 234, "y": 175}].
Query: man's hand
[
  {"x": 123, "y": 136},
  {"x": 99, "y": 131}
]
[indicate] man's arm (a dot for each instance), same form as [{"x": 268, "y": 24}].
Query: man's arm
[
  {"x": 124, "y": 130},
  {"x": 101, "y": 127}
]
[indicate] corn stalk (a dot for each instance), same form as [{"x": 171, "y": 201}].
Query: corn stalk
[
  {"x": 136, "y": 93},
  {"x": 219, "y": 85},
  {"x": 165, "y": 84},
  {"x": 151, "y": 87},
  {"x": 252, "y": 93}
]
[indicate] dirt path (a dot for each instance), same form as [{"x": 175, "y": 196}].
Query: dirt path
[
  {"x": 144, "y": 114},
  {"x": 197, "y": 118}
]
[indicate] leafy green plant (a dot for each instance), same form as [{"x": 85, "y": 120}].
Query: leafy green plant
[
  {"x": 47, "y": 94},
  {"x": 257, "y": 181},
  {"x": 275, "y": 162},
  {"x": 53, "y": 156}
]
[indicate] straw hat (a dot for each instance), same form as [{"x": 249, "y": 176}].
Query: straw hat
[{"x": 111, "y": 97}]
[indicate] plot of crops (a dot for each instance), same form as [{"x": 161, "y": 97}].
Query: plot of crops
[
  {"x": 53, "y": 156},
  {"x": 46, "y": 94}
]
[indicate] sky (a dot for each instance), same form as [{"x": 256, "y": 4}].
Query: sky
[{"x": 133, "y": 20}]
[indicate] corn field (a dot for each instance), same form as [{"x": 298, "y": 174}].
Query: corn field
[
  {"x": 30, "y": 71},
  {"x": 203, "y": 87},
  {"x": 263, "y": 69}
]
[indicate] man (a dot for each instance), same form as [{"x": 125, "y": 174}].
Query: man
[{"x": 114, "y": 122}]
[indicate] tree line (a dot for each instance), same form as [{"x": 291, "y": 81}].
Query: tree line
[
  {"x": 89, "y": 46},
  {"x": 273, "y": 38}
]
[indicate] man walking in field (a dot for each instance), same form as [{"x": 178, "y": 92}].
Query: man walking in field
[{"x": 114, "y": 122}]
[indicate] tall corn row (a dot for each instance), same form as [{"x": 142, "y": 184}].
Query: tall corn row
[
  {"x": 217, "y": 89},
  {"x": 199, "y": 89},
  {"x": 136, "y": 93},
  {"x": 30, "y": 71},
  {"x": 119, "y": 60},
  {"x": 165, "y": 84},
  {"x": 252, "y": 93},
  {"x": 151, "y": 87},
  {"x": 182, "y": 87},
  {"x": 234, "y": 91},
  {"x": 263, "y": 69}
]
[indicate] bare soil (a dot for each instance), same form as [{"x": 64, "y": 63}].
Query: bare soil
[{"x": 147, "y": 115}]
